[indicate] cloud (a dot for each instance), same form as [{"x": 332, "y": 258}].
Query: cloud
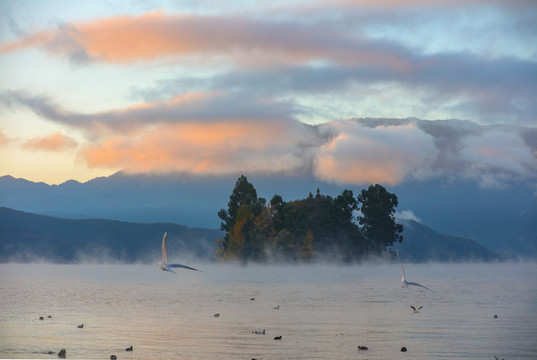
[
  {"x": 4, "y": 140},
  {"x": 154, "y": 35},
  {"x": 56, "y": 142},
  {"x": 406, "y": 215},
  {"x": 499, "y": 153},
  {"x": 234, "y": 132},
  {"x": 326, "y": 56},
  {"x": 491, "y": 90},
  {"x": 493, "y": 156},
  {"x": 204, "y": 107},
  {"x": 384, "y": 154},
  {"x": 227, "y": 147}
]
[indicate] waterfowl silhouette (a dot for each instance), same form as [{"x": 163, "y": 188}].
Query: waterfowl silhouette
[
  {"x": 163, "y": 264},
  {"x": 81, "y": 326},
  {"x": 129, "y": 348},
  {"x": 416, "y": 310},
  {"x": 360, "y": 347}
]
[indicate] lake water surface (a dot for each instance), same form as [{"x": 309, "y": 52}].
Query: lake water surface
[{"x": 324, "y": 312}]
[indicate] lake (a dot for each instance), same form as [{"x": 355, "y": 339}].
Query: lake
[{"x": 325, "y": 311}]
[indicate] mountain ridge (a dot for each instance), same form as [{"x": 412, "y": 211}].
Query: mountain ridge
[
  {"x": 501, "y": 219},
  {"x": 27, "y": 237}
]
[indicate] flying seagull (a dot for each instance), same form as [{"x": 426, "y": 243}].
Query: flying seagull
[
  {"x": 163, "y": 264},
  {"x": 404, "y": 283},
  {"x": 416, "y": 310}
]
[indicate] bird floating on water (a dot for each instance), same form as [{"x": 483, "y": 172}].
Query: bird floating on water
[
  {"x": 405, "y": 283},
  {"x": 360, "y": 347},
  {"x": 163, "y": 264},
  {"x": 81, "y": 326},
  {"x": 129, "y": 348}
]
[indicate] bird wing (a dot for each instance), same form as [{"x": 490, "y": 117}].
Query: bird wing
[
  {"x": 164, "y": 256},
  {"x": 416, "y": 284},
  {"x": 402, "y": 268},
  {"x": 182, "y": 266},
  {"x": 420, "y": 307},
  {"x": 168, "y": 268},
  {"x": 413, "y": 308}
]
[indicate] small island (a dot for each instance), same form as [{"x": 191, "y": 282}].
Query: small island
[{"x": 345, "y": 228}]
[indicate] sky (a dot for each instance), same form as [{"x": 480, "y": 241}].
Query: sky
[{"x": 352, "y": 91}]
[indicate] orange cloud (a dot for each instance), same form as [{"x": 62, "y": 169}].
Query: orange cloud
[
  {"x": 154, "y": 35},
  {"x": 32, "y": 40},
  {"x": 206, "y": 148},
  {"x": 127, "y": 38},
  {"x": 157, "y": 34},
  {"x": 54, "y": 142},
  {"x": 353, "y": 155}
]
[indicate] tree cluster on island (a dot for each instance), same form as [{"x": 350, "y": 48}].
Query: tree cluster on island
[{"x": 345, "y": 228}]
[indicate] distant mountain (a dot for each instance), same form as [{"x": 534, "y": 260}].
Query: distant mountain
[
  {"x": 422, "y": 244},
  {"x": 502, "y": 219},
  {"x": 184, "y": 199},
  {"x": 26, "y": 237}
]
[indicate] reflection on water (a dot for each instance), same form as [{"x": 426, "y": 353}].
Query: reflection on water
[{"x": 325, "y": 312}]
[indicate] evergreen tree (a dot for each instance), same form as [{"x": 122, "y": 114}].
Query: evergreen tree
[
  {"x": 377, "y": 220},
  {"x": 243, "y": 193}
]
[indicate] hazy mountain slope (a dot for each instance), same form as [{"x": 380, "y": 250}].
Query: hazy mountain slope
[
  {"x": 501, "y": 219},
  {"x": 28, "y": 237},
  {"x": 422, "y": 244}
]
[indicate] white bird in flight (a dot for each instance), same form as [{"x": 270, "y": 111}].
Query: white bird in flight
[
  {"x": 163, "y": 264},
  {"x": 404, "y": 283}
]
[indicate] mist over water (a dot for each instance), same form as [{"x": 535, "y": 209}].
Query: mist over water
[{"x": 325, "y": 311}]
